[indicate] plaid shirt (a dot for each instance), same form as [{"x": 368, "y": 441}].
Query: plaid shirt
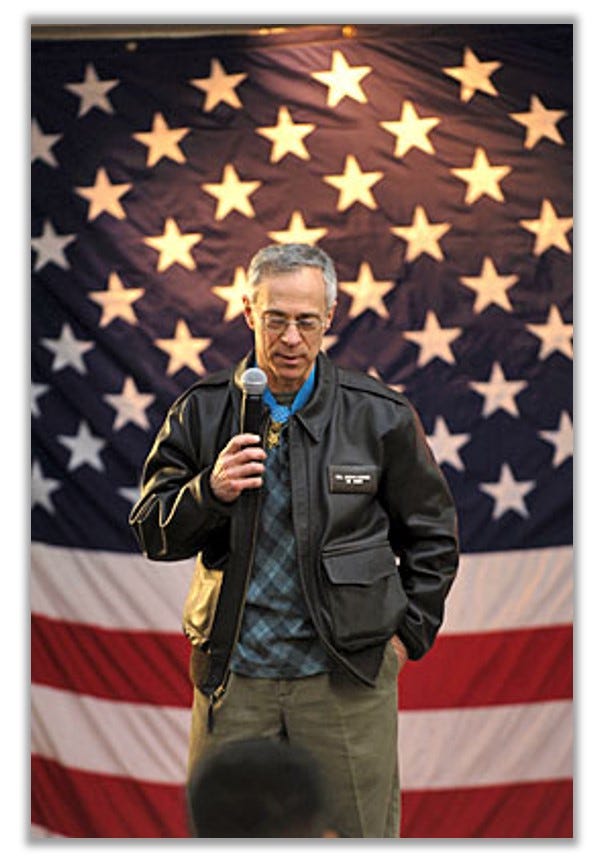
[{"x": 277, "y": 638}]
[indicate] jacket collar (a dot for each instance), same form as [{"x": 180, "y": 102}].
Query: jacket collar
[
  {"x": 315, "y": 415},
  {"x": 318, "y": 410}
]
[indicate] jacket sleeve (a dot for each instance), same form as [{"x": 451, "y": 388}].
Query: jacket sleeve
[
  {"x": 177, "y": 515},
  {"x": 423, "y": 531}
]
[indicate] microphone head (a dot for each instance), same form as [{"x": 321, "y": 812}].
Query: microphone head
[{"x": 253, "y": 381}]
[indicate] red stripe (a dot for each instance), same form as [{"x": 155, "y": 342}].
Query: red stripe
[
  {"x": 507, "y": 667},
  {"x": 81, "y": 804},
  {"x": 479, "y": 669},
  {"x": 112, "y": 664},
  {"x": 543, "y": 809},
  {"x": 76, "y": 803}
]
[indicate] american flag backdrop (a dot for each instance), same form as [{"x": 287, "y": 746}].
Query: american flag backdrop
[{"x": 434, "y": 163}]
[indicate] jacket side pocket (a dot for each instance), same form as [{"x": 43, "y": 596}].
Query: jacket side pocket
[{"x": 365, "y": 597}]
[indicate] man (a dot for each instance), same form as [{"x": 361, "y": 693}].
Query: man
[
  {"x": 325, "y": 546},
  {"x": 257, "y": 788}
]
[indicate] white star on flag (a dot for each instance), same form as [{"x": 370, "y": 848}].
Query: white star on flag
[
  {"x": 540, "y": 122},
  {"x": 42, "y": 488},
  {"x": 342, "y": 80},
  {"x": 411, "y": 130},
  {"x": 104, "y": 196},
  {"x": 68, "y": 350},
  {"x": 233, "y": 294},
  {"x": 490, "y": 287},
  {"x": 93, "y": 92},
  {"x": 482, "y": 178},
  {"x": 232, "y": 193},
  {"x": 174, "y": 247},
  {"x": 130, "y": 405},
  {"x": 328, "y": 342},
  {"x": 555, "y": 335},
  {"x": 474, "y": 75},
  {"x": 498, "y": 392},
  {"x": 398, "y": 388},
  {"x": 130, "y": 493},
  {"x": 561, "y": 438},
  {"x": 162, "y": 141},
  {"x": 445, "y": 445},
  {"x": 116, "y": 301},
  {"x": 183, "y": 349},
  {"x": 434, "y": 340},
  {"x": 84, "y": 447},
  {"x": 219, "y": 87},
  {"x": 36, "y": 391},
  {"x": 287, "y": 136},
  {"x": 549, "y": 229},
  {"x": 42, "y": 144},
  {"x": 354, "y": 185},
  {"x": 508, "y": 493},
  {"x": 297, "y": 232},
  {"x": 50, "y": 245},
  {"x": 367, "y": 292},
  {"x": 422, "y": 236}
]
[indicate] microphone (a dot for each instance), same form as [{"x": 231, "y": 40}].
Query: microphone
[{"x": 253, "y": 381}]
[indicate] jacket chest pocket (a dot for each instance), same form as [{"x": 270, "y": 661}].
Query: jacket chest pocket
[{"x": 365, "y": 598}]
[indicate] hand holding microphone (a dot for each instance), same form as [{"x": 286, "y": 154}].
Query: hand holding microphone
[{"x": 240, "y": 464}]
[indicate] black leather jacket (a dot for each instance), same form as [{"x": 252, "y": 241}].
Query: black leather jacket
[{"x": 374, "y": 520}]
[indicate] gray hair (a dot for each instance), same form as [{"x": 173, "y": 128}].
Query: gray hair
[{"x": 287, "y": 257}]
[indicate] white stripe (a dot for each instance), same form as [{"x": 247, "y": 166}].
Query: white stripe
[
  {"x": 439, "y": 749},
  {"x": 486, "y": 746},
  {"x": 493, "y": 591},
  {"x": 108, "y": 589},
  {"x": 506, "y": 590},
  {"x": 119, "y": 738}
]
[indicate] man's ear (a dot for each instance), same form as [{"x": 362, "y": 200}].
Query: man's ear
[{"x": 247, "y": 311}]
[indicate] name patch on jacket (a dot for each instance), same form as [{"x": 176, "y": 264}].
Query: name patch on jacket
[{"x": 353, "y": 478}]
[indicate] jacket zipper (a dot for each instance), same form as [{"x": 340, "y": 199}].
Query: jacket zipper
[{"x": 217, "y": 694}]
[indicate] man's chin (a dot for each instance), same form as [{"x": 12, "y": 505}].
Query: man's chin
[{"x": 290, "y": 375}]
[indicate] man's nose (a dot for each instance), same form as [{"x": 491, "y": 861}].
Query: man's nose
[{"x": 291, "y": 334}]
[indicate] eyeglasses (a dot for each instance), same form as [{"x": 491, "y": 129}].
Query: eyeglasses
[{"x": 276, "y": 322}]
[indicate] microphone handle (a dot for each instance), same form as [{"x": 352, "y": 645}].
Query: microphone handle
[{"x": 251, "y": 413}]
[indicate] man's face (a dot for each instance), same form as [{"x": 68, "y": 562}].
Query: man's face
[{"x": 287, "y": 353}]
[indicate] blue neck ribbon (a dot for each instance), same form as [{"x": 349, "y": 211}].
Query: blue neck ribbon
[{"x": 282, "y": 413}]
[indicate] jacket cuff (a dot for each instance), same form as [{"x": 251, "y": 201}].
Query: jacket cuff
[{"x": 415, "y": 648}]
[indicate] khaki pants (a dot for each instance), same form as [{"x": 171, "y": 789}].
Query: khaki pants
[{"x": 350, "y": 728}]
